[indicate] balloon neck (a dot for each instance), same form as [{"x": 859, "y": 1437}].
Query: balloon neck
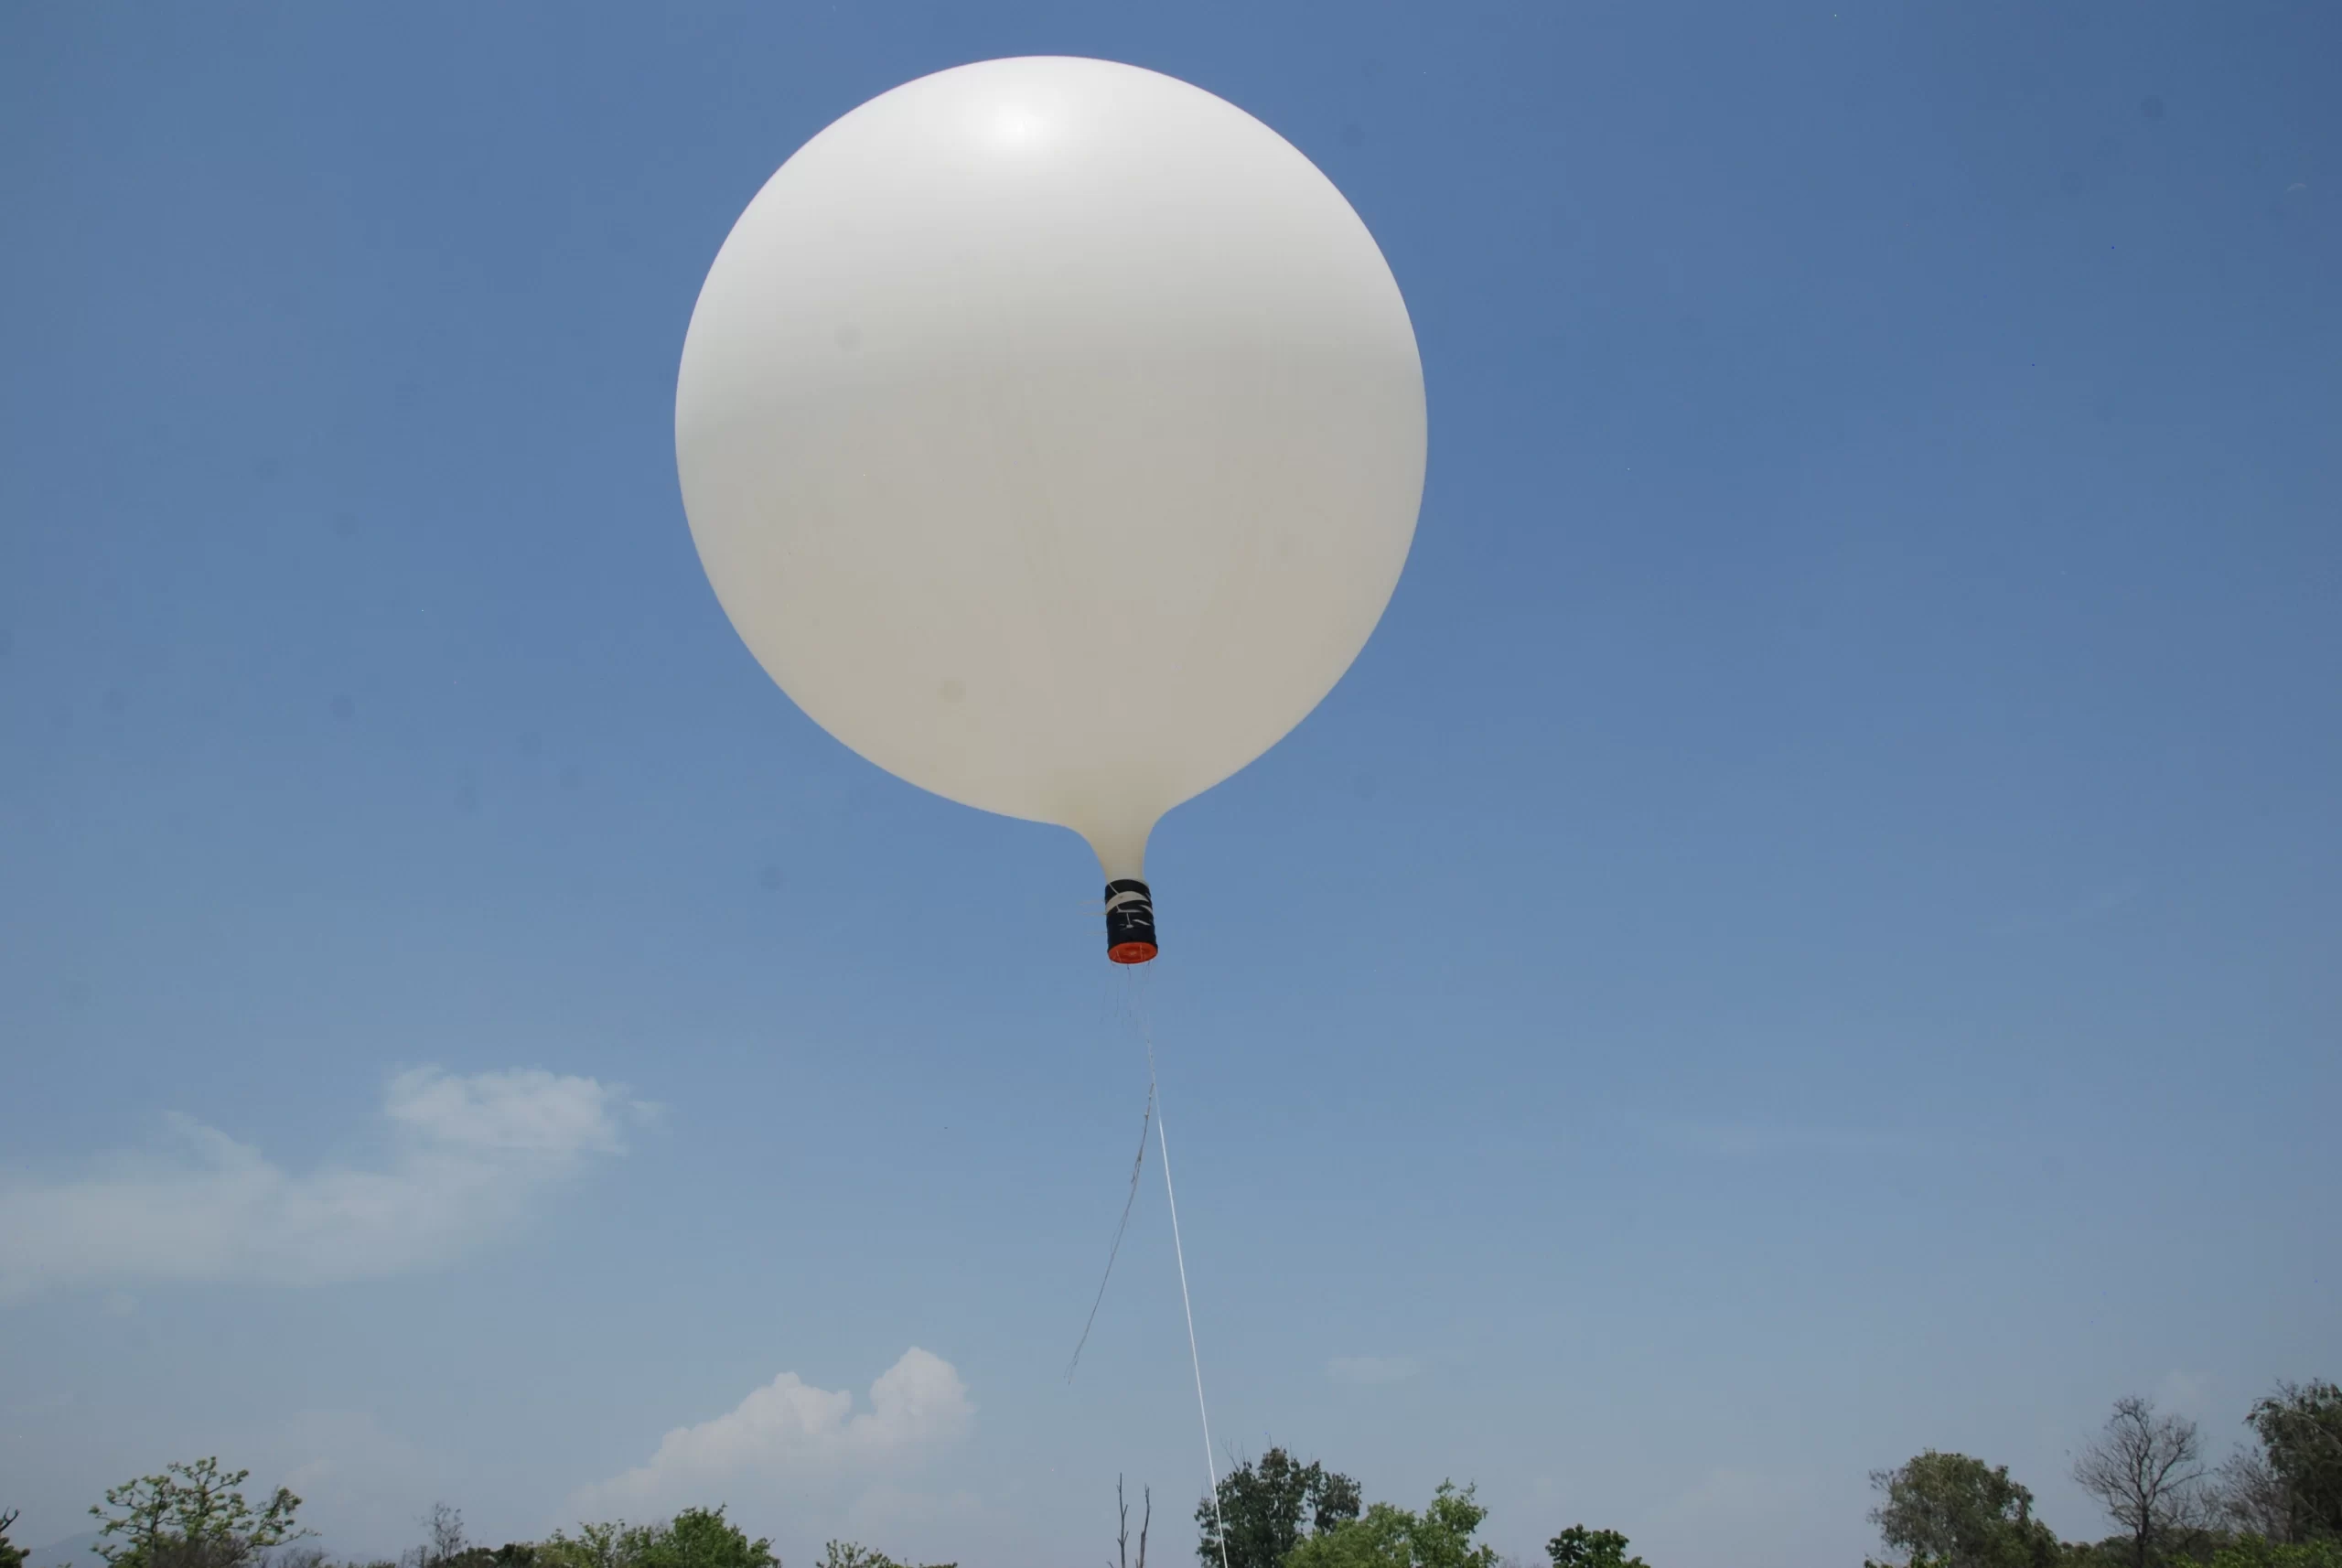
[{"x": 1130, "y": 921}]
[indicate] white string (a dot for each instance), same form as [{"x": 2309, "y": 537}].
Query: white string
[{"x": 1210, "y": 1465}]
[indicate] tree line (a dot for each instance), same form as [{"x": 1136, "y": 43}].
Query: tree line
[
  {"x": 2275, "y": 1502},
  {"x": 195, "y": 1515},
  {"x": 1277, "y": 1512}
]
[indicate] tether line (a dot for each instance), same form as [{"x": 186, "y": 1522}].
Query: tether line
[
  {"x": 1211, "y": 1465},
  {"x": 1115, "y": 1251},
  {"x": 1136, "y": 1015}
]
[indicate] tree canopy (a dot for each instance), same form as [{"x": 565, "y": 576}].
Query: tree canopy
[
  {"x": 1389, "y": 1537},
  {"x": 1269, "y": 1507},
  {"x": 2257, "y": 1551},
  {"x": 2300, "y": 1428},
  {"x": 847, "y": 1555},
  {"x": 190, "y": 1516},
  {"x": 1578, "y": 1547},
  {"x": 1948, "y": 1511}
]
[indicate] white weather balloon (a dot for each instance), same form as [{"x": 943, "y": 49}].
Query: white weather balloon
[{"x": 1052, "y": 431}]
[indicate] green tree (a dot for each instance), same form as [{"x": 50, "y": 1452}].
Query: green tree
[
  {"x": 612, "y": 1544},
  {"x": 191, "y": 1515},
  {"x": 1388, "y": 1537},
  {"x": 2257, "y": 1551},
  {"x": 1270, "y": 1508},
  {"x": 695, "y": 1538},
  {"x": 1948, "y": 1511},
  {"x": 702, "y": 1538},
  {"x": 846, "y": 1555},
  {"x": 11, "y": 1554},
  {"x": 1578, "y": 1547},
  {"x": 2300, "y": 1428},
  {"x": 1378, "y": 1538}
]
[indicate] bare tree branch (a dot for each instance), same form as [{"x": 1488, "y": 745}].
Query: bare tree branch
[
  {"x": 2148, "y": 1472},
  {"x": 1123, "y": 1536},
  {"x": 2251, "y": 1496}
]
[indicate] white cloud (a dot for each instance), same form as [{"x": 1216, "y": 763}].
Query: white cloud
[
  {"x": 520, "y": 1112},
  {"x": 789, "y": 1436},
  {"x": 1371, "y": 1369},
  {"x": 467, "y": 1155}
]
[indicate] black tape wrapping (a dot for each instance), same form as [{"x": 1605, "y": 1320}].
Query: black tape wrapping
[{"x": 1130, "y": 913}]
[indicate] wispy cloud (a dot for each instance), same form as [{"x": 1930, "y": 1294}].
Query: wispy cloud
[
  {"x": 789, "y": 1435},
  {"x": 1772, "y": 1504},
  {"x": 1756, "y": 1140},
  {"x": 362, "y": 1485},
  {"x": 2086, "y": 910},
  {"x": 1367, "y": 1369},
  {"x": 2183, "y": 1391},
  {"x": 467, "y": 1157}
]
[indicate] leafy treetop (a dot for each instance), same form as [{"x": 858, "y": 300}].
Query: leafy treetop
[
  {"x": 1388, "y": 1537},
  {"x": 1270, "y": 1508},
  {"x": 2300, "y": 1428},
  {"x": 1948, "y": 1511},
  {"x": 846, "y": 1555},
  {"x": 2253, "y": 1552},
  {"x": 1578, "y": 1547},
  {"x": 190, "y": 1516}
]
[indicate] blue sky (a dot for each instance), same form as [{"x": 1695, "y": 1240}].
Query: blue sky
[{"x": 1829, "y": 861}]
